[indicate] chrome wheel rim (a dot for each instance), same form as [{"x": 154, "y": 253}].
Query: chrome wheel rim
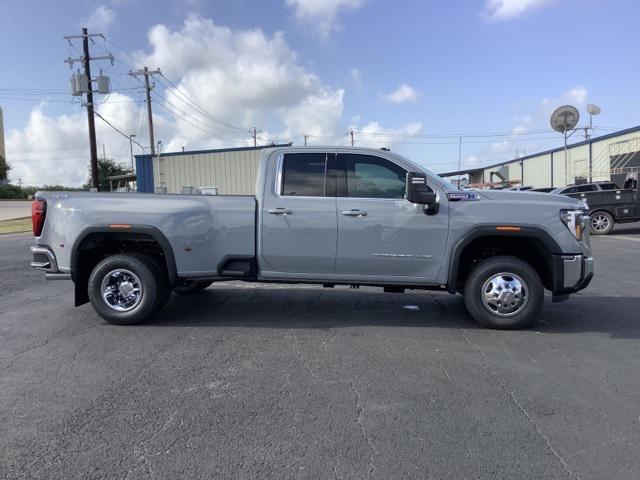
[
  {"x": 600, "y": 223},
  {"x": 121, "y": 290},
  {"x": 505, "y": 294}
]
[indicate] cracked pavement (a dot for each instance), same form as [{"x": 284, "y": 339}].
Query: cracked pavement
[{"x": 281, "y": 381}]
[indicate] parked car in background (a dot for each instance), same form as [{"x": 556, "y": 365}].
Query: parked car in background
[
  {"x": 543, "y": 189},
  {"x": 608, "y": 204}
]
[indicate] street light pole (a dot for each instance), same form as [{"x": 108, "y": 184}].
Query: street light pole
[{"x": 131, "y": 137}]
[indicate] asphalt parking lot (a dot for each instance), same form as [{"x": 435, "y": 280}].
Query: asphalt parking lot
[{"x": 262, "y": 381}]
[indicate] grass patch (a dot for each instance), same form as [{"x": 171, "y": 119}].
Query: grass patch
[{"x": 15, "y": 225}]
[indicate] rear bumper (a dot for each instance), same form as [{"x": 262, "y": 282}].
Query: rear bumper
[
  {"x": 572, "y": 273},
  {"x": 45, "y": 259}
]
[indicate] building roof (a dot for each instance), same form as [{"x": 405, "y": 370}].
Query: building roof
[
  {"x": 215, "y": 150},
  {"x": 546, "y": 152},
  {"x": 462, "y": 172}
]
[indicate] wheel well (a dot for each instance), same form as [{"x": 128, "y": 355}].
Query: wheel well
[
  {"x": 96, "y": 246},
  {"x": 528, "y": 249},
  {"x": 600, "y": 210}
]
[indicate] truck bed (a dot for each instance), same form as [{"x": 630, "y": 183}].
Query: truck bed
[{"x": 202, "y": 230}]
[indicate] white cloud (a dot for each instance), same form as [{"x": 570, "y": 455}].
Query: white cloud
[
  {"x": 508, "y": 9},
  {"x": 370, "y": 135},
  {"x": 318, "y": 115},
  {"x": 241, "y": 78},
  {"x": 55, "y": 150},
  {"x": 101, "y": 20},
  {"x": 403, "y": 94},
  {"x": 322, "y": 15},
  {"x": 355, "y": 76},
  {"x": 577, "y": 95}
]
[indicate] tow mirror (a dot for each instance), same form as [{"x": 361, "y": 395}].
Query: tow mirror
[
  {"x": 419, "y": 192},
  {"x": 417, "y": 189}
]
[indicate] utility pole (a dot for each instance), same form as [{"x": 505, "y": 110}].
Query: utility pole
[
  {"x": 351, "y": 133},
  {"x": 131, "y": 136},
  {"x": 145, "y": 72},
  {"x": 255, "y": 137},
  {"x": 305, "y": 140},
  {"x": 86, "y": 63},
  {"x": 459, "y": 159},
  {"x": 92, "y": 121}
]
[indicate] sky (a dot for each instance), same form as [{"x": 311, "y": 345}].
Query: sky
[{"x": 414, "y": 76}]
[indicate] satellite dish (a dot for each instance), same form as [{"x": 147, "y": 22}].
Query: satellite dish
[
  {"x": 564, "y": 118},
  {"x": 593, "y": 109}
]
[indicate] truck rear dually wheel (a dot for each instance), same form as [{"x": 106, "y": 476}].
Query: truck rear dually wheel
[
  {"x": 504, "y": 292},
  {"x": 126, "y": 289}
]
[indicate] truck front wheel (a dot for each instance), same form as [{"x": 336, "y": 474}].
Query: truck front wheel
[
  {"x": 126, "y": 289},
  {"x": 504, "y": 292}
]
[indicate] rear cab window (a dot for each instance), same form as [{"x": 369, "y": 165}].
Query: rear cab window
[{"x": 304, "y": 175}]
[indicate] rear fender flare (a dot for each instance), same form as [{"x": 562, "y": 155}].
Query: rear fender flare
[{"x": 152, "y": 231}]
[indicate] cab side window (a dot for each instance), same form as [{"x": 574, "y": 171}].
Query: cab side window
[
  {"x": 587, "y": 188},
  {"x": 368, "y": 176},
  {"x": 304, "y": 174}
]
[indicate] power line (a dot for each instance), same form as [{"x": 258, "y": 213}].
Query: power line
[
  {"x": 116, "y": 128},
  {"x": 197, "y": 126},
  {"x": 178, "y": 92},
  {"x": 197, "y": 106},
  {"x": 160, "y": 97}
]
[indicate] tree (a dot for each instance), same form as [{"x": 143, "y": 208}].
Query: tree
[
  {"x": 107, "y": 167},
  {"x": 4, "y": 167}
]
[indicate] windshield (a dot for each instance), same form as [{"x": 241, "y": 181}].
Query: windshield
[{"x": 446, "y": 185}]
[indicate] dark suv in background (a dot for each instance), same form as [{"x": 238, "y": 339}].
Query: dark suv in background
[{"x": 607, "y": 203}]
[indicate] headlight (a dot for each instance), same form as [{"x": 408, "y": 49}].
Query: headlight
[{"x": 574, "y": 220}]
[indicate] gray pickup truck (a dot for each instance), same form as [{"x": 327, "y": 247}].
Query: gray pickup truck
[{"x": 327, "y": 216}]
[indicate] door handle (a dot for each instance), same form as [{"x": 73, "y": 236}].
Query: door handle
[
  {"x": 354, "y": 213},
  {"x": 279, "y": 211}
]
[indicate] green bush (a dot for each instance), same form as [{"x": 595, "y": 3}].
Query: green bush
[{"x": 12, "y": 192}]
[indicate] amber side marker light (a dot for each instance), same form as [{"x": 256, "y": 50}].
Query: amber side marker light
[
  {"x": 508, "y": 229},
  {"x": 120, "y": 225}
]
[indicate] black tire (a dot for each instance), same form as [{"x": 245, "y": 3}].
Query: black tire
[
  {"x": 140, "y": 270},
  {"x": 601, "y": 223},
  {"x": 525, "y": 306},
  {"x": 192, "y": 287},
  {"x": 164, "y": 289}
]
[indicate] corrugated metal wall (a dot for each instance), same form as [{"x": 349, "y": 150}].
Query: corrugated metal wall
[
  {"x": 538, "y": 169},
  {"x": 232, "y": 172},
  {"x": 144, "y": 174}
]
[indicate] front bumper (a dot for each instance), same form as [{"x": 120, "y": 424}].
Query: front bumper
[
  {"x": 45, "y": 259},
  {"x": 571, "y": 273}
]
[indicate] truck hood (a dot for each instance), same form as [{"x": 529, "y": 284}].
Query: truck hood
[{"x": 530, "y": 198}]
